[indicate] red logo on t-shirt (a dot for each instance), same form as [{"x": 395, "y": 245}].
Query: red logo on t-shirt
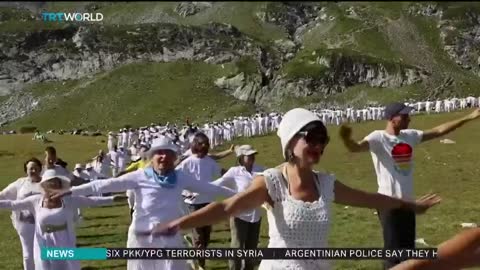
[{"x": 402, "y": 156}]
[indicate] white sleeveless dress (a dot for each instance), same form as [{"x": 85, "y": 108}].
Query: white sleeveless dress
[{"x": 296, "y": 224}]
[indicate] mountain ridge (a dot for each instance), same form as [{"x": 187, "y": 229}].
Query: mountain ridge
[{"x": 279, "y": 54}]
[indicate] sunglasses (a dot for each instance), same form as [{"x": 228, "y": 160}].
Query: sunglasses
[{"x": 313, "y": 137}]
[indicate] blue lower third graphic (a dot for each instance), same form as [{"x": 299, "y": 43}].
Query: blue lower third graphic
[{"x": 74, "y": 254}]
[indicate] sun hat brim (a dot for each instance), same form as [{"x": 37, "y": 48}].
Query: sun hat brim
[
  {"x": 66, "y": 182},
  {"x": 154, "y": 149}
]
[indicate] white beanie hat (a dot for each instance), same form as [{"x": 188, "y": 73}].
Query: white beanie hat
[{"x": 293, "y": 121}]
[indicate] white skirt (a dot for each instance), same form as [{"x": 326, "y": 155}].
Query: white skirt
[{"x": 136, "y": 241}]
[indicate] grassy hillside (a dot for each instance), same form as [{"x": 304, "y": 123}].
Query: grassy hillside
[
  {"x": 378, "y": 32},
  {"x": 164, "y": 92},
  {"x": 450, "y": 170}
]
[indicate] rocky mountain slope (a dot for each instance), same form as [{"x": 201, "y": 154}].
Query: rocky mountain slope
[{"x": 267, "y": 55}]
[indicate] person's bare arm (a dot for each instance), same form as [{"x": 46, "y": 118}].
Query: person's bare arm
[
  {"x": 223, "y": 154},
  {"x": 354, "y": 197},
  {"x": 350, "y": 143},
  {"x": 448, "y": 127},
  {"x": 461, "y": 251},
  {"x": 215, "y": 212}
]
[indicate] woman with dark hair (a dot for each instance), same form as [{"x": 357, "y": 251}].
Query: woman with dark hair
[
  {"x": 23, "y": 221},
  {"x": 298, "y": 198},
  {"x": 204, "y": 169},
  {"x": 53, "y": 219},
  {"x": 244, "y": 227}
]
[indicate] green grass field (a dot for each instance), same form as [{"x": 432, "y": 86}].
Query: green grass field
[{"x": 450, "y": 170}]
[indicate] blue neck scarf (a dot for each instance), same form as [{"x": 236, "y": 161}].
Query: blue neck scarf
[{"x": 165, "y": 181}]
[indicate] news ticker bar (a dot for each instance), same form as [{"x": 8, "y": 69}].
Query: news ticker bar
[{"x": 232, "y": 253}]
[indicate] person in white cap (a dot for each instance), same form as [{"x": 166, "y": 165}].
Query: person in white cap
[
  {"x": 101, "y": 164},
  {"x": 157, "y": 189},
  {"x": 79, "y": 171},
  {"x": 91, "y": 174},
  {"x": 112, "y": 141},
  {"x": 244, "y": 227},
  {"x": 392, "y": 155},
  {"x": 298, "y": 198},
  {"x": 24, "y": 221},
  {"x": 54, "y": 218}
]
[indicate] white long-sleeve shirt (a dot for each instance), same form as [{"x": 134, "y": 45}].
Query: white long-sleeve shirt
[
  {"x": 239, "y": 179},
  {"x": 203, "y": 170},
  {"x": 18, "y": 190},
  {"x": 153, "y": 203},
  {"x": 44, "y": 218}
]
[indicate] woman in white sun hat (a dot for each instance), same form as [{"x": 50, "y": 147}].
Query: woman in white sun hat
[
  {"x": 157, "y": 190},
  {"x": 298, "y": 198},
  {"x": 244, "y": 227},
  {"x": 54, "y": 218}
]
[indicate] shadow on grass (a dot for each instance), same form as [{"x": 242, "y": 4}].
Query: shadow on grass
[
  {"x": 99, "y": 226},
  {"x": 101, "y": 244},
  {"x": 220, "y": 240},
  {"x": 101, "y": 217},
  {"x": 96, "y": 236},
  {"x": 121, "y": 266},
  {"x": 113, "y": 205},
  {"x": 222, "y": 230},
  {"x": 6, "y": 154}
]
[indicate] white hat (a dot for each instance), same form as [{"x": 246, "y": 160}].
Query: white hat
[
  {"x": 292, "y": 122},
  {"x": 88, "y": 166},
  {"x": 245, "y": 150},
  {"x": 56, "y": 173},
  {"x": 78, "y": 166},
  {"x": 162, "y": 143}
]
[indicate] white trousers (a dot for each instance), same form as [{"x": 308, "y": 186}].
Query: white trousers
[
  {"x": 26, "y": 233},
  {"x": 135, "y": 241},
  {"x": 131, "y": 198}
]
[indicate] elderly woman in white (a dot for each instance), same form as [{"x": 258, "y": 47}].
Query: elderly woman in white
[
  {"x": 157, "y": 190},
  {"x": 24, "y": 221},
  {"x": 54, "y": 217},
  {"x": 298, "y": 198},
  {"x": 244, "y": 227}
]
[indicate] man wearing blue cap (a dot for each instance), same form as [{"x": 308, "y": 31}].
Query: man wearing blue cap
[{"x": 392, "y": 155}]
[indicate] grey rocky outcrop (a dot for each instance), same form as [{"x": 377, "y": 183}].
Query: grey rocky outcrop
[
  {"x": 460, "y": 36},
  {"x": 75, "y": 52},
  {"x": 343, "y": 72},
  {"x": 186, "y": 9}
]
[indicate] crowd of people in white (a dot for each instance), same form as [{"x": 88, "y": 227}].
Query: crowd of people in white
[
  {"x": 124, "y": 146},
  {"x": 157, "y": 164}
]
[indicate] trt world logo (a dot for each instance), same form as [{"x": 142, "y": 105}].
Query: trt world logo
[{"x": 71, "y": 17}]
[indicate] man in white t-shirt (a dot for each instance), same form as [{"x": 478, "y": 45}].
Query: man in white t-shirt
[
  {"x": 202, "y": 168},
  {"x": 392, "y": 155}
]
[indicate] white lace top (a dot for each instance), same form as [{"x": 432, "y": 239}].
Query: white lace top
[{"x": 297, "y": 224}]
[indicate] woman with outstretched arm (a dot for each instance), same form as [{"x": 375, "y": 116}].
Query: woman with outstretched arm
[
  {"x": 298, "y": 198},
  {"x": 157, "y": 190},
  {"x": 54, "y": 217}
]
